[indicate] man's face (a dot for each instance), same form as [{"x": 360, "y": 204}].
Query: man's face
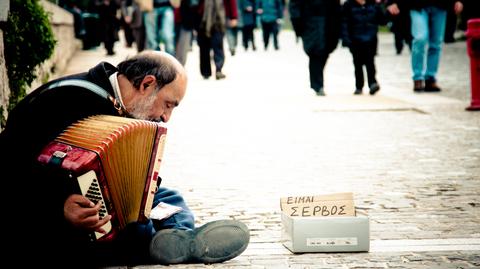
[{"x": 157, "y": 105}]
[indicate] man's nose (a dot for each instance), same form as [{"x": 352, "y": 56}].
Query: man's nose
[{"x": 166, "y": 116}]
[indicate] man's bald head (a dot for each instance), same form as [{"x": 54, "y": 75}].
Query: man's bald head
[
  {"x": 152, "y": 84},
  {"x": 163, "y": 66}
]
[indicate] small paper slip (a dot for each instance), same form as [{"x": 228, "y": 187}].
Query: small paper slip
[{"x": 164, "y": 210}]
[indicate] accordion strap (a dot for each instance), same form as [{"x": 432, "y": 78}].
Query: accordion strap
[{"x": 89, "y": 86}]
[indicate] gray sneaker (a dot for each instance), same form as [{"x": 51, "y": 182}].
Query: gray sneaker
[{"x": 213, "y": 242}]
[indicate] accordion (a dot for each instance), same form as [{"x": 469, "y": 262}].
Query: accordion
[{"x": 114, "y": 160}]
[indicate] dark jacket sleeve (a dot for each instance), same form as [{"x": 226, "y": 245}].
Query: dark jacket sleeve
[
  {"x": 295, "y": 8},
  {"x": 345, "y": 31},
  {"x": 381, "y": 14}
]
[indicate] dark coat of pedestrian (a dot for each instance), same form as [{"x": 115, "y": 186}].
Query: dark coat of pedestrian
[
  {"x": 401, "y": 26},
  {"x": 318, "y": 23},
  {"x": 360, "y": 21}
]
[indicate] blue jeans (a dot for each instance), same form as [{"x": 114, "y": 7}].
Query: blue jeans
[
  {"x": 160, "y": 26},
  {"x": 428, "y": 28},
  {"x": 183, "y": 220},
  {"x": 132, "y": 244}
]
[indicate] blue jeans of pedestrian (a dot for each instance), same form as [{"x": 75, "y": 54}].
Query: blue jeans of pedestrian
[
  {"x": 428, "y": 29},
  {"x": 160, "y": 26}
]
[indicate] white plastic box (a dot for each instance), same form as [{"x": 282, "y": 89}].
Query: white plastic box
[{"x": 326, "y": 234}]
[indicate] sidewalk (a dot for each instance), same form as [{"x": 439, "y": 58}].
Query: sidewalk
[{"x": 412, "y": 161}]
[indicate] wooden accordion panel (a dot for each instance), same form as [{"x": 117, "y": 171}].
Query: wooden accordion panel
[{"x": 115, "y": 160}]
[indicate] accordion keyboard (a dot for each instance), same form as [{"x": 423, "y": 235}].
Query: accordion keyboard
[{"x": 90, "y": 188}]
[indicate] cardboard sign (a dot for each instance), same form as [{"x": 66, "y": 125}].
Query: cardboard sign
[{"x": 338, "y": 204}]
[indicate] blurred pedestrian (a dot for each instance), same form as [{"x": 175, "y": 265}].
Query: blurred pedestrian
[
  {"x": 232, "y": 32},
  {"x": 428, "y": 19},
  {"x": 214, "y": 16},
  {"x": 137, "y": 25},
  {"x": 360, "y": 21},
  {"x": 187, "y": 19},
  {"x": 160, "y": 26},
  {"x": 271, "y": 14},
  {"x": 249, "y": 23},
  {"x": 318, "y": 23},
  {"x": 107, "y": 12}
]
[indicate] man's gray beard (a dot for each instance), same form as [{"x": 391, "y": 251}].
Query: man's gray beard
[{"x": 141, "y": 109}]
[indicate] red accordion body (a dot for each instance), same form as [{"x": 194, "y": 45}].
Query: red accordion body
[{"x": 114, "y": 160}]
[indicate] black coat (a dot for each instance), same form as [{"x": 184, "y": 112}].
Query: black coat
[
  {"x": 318, "y": 23},
  {"x": 36, "y": 196},
  {"x": 360, "y": 23}
]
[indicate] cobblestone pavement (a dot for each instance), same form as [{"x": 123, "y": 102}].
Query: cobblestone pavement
[{"x": 237, "y": 145}]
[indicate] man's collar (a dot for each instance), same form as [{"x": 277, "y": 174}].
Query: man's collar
[{"x": 116, "y": 89}]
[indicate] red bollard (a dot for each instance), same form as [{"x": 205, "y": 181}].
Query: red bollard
[{"x": 473, "y": 46}]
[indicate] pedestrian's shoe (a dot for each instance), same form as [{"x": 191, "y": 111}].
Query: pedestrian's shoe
[
  {"x": 418, "y": 86},
  {"x": 431, "y": 86},
  {"x": 213, "y": 242},
  {"x": 320, "y": 92},
  {"x": 374, "y": 88},
  {"x": 232, "y": 52},
  {"x": 220, "y": 75},
  {"x": 357, "y": 91}
]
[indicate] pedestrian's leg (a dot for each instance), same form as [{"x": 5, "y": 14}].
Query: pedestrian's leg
[
  {"x": 245, "y": 37},
  {"x": 265, "y": 34},
  {"x": 420, "y": 37},
  {"x": 218, "y": 53},
  {"x": 183, "y": 44},
  {"x": 167, "y": 29},
  {"x": 316, "y": 65},
  {"x": 370, "y": 63},
  {"x": 436, "y": 35},
  {"x": 252, "y": 36},
  {"x": 151, "y": 29},
  {"x": 275, "y": 30},
  {"x": 357, "y": 55},
  {"x": 398, "y": 41},
  {"x": 204, "y": 44}
]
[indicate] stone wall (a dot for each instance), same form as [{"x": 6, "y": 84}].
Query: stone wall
[
  {"x": 67, "y": 44},
  {"x": 4, "y": 89}
]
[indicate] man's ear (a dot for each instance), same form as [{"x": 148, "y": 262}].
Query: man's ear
[{"x": 146, "y": 82}]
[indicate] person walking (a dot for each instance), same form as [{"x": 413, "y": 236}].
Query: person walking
[
  {"x": 360, "y": 21},
  {"x": 214, "y": 15},
  {"x": 249, "y": 23},
  {"x": 160, "y": 26},
  {"x": 428, "y": 18},
  {"x": 271, "y": 14},
  {"x": 318, "y": 23}
]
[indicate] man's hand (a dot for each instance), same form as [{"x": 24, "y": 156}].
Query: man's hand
[
  {"x": 83, "y": 213},
  {"x": 233, "y": 22},
  {"x": 393, "y": 9},
  {"x": 458, "y": 7}
]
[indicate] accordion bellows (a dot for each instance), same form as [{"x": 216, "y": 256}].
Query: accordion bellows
[{"x": 113, "y": 159}]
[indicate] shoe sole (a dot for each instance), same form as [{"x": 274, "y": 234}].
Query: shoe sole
[
  {"x": 211, "y": 243},
  {"x": 220, "y": 233}
]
